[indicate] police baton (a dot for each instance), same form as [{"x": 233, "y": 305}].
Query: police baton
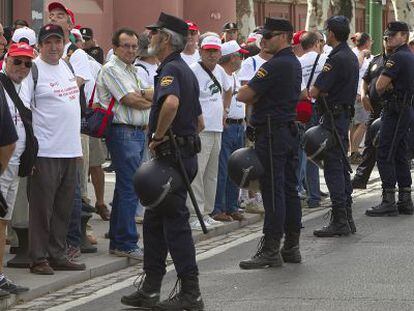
[
  {"x": 336, "y": 134},
  {"x": 272, "y": 173},
  {"x": 187, "y": 181}
]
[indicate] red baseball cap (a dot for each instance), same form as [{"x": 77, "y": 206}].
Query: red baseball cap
[
  {"x": 21, "y": 49},
  {"x": 58, "y": 5},
  {"x": 296, "y": 37},
  {"x": 192, "y": 25}
]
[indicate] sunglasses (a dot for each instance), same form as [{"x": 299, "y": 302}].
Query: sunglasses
[
  {"x": 270, "y": 35},
  {"x": 18, "y": 62}
]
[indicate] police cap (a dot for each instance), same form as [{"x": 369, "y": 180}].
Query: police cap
[
  {"x": 276, "y": 24},
  {"x": 170, "y": 22},
  {"x": 230, "y": 26},
  {"x": 394, "y": 27},
  {"x": 337, "y": 22}
]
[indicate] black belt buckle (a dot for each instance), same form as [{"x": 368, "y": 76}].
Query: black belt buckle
[{"x": 234, "y": 121}]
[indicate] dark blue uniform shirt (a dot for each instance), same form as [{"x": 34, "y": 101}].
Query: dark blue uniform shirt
[
  {"x": 277, "y": 83},
  {"x": 400, "y": 68},
  {"x": 176, "y": 78},
  {"x": 339, "y": 76},
  {"x": 8, "y": 133}
]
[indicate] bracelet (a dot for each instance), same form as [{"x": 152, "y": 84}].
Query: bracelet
[{"x": 153, "y": 138}]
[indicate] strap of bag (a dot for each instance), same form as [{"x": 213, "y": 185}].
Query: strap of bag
[
  {"x": 24, "y": 112},
  {"x": 254, "y": 64},
  {"x": 92, "y": 96},
  {"x": 143, "y": 67},
  {"x": 111, "y": 106},
  {"x": 211, "y": 75},
  {"x": 313, "y": 71}
]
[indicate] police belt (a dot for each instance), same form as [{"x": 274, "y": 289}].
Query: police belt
[
  {"x": 398, "y": 101},
  {"x": 189, "y": 146},
  {"x": 337, "y": 109},
  {"x": 262, "y": 128}
]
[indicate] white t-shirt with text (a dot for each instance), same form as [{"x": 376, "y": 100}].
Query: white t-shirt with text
[
  {"x": 211, "y": 99},
  {"x": 237, "y": 108},
  {"x": 307, "y": 61},
  {"x": 56, "y": 110}
]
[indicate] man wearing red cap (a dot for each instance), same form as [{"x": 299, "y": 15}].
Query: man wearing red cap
[
  {"x": 18, "y": 63},
  {"x": 297, "y": 48},
  {"x": 215, "y": 98},
  {"x": 190, "y": 53}
]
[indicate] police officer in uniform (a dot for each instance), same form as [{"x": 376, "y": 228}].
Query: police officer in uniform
[
  {"x": 374, "y": 106},
  {"x": 274, "y": 93},
  {"x": 397, "y": 82},
  {"x": 336, "y": 87},
  {"x": 175, "y": 106}
]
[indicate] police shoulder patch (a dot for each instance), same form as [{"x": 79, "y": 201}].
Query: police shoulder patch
[
  {"x": 166, "y": 81},
  {"x": 261, "y": 73},
  {"x": 327, "y": 67},
  {"x": 389, "y": 64}
]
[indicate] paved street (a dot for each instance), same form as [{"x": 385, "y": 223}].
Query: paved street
[{"x": 370, "y": 270}]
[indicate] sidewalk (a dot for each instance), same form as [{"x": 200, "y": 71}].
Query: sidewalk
[{"x": 102, "y": 263}]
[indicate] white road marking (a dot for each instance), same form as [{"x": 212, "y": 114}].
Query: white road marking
[{"x": 128, "y": 282}]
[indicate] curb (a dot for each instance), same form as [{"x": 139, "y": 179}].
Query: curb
[{"x": 116, "y": 264}]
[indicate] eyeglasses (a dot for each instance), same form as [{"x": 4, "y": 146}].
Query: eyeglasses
[
  {"x": 270, "y": 35},
  {"x": 154, "y": 31},
  {"x": 18, "y": 62},
  {"x": 129, "y": 46}
]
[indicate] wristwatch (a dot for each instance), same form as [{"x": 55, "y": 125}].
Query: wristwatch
[
  {"x": 153, "y": 138},
  {"x": 142, "y": 92}
]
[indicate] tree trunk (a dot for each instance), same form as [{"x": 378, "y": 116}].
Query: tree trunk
[
  {"x": 317, "y": 14},
  {"x": 245, "y": 17},
  {"x": 404, "y": 11},
  {"x": 345, "y": 8}
]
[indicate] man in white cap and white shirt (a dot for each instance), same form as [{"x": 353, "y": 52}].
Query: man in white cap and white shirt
[
  {"x": 25, "y": 34},
  {"x": 215, "y": 99},
  {"x": 226, "y": 204}
]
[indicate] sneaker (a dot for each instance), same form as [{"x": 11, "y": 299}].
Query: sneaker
[
  {"x": 136, "y": 254},
  {"x": 195, "y": 225},
  {"x": 8, "y": 286},
  {"x": 255, "y": 207},
  {"x": 211, "y": 221}
]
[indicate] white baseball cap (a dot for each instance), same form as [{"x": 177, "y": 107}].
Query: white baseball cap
[
  {"x": 231, "y": 47},
  {"x": 211, "y": 42},
  {"x": 77, "y": 34},
  {"x": 24, "y": 33}
]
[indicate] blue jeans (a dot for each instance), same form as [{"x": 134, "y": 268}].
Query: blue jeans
[
  {"x": 73, "y": 237},
  {"x": 126, "y": 146},
  {"x": 227, "y": 191}
]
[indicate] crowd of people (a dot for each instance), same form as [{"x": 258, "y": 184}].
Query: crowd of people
[{"x": 50, "y": 79}]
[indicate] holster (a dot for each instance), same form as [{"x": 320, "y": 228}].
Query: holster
[
  {"x": 337, "y": 110},
  {"x": 189, "y": 146}
]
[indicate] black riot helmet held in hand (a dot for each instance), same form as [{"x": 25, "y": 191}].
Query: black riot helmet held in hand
[
  {"x": 155, "y": 180},
  {"x": 245, "y": 168},
  {"x": 316, "y": 141}
]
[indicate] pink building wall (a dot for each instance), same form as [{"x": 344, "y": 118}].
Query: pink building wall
[{"x": 104, "y": 16}]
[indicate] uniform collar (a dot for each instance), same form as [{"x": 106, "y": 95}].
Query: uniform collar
[
  {"x": 169, "y": 58},
  {"x": 286, "y": 50},
  {"x": 339, "y": 47},
  {"x": 402, "y": 47}
]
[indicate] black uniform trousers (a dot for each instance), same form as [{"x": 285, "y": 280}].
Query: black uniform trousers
[
  {"x": 337, "y": 177},
  {"x": 369, "y": 155},
  {"x": 398, "y": 169},
  {"x": 285, "y": 145},
  {"x": 169, "y": 231}
]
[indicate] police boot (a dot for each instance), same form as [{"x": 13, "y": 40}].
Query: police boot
[
  {"x": 338, "y": 225},
  {"x": 290, "y": 250},
  {"x": 147, "y": 294},
  {"x": 350, "y": 219},
  {"x": 188, "y": 298},
  {"x": 267, "y": 255},
  {"x": 405, "y": 203},
  {"x": 387, "y": 207}
]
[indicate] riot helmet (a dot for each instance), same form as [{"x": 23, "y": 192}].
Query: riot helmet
[
  {"x": 316, "y": 141},
  {"x": 245, "y": 169},
  {"x": 155, "y": 180}
]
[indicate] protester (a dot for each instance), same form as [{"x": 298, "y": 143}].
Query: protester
[
  {"x": 20, "y": 23},
  {"x": 215, "y": 99},
  {"x": 118, "y": 81},
  {"x": 296, "y": 46},
  {"x": 146, "y": 64},
  {"x": 227, "y": 194},
  {"x": 25, "y": 34},
  {"x": 362, "y": 50},
  {"x": 190, "y": 53},
  {"x": 57, "y": 128}
]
